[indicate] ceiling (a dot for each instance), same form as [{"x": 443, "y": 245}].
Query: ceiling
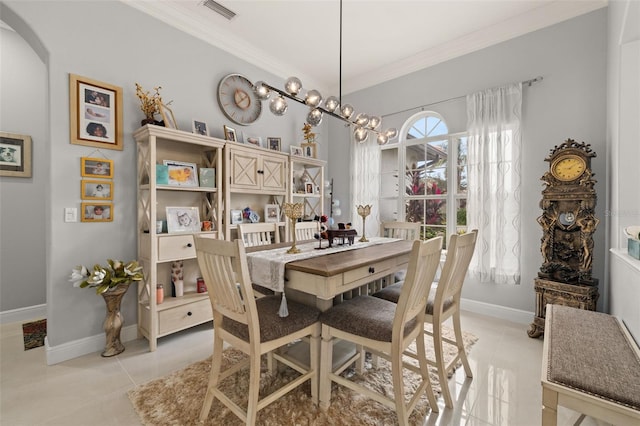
[{"x": 381, "y": 39}]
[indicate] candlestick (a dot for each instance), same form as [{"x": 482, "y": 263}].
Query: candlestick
[
  {"x": 364, "y": 211},
  {"x": 294, "y": 212}
]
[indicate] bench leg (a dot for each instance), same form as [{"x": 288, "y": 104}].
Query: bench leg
[{"x": 549, "y": 407}]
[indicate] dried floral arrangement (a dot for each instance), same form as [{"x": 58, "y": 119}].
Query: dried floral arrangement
[
  {"x": 309, "y": 136},
  {"x": 150, "y": 104}
]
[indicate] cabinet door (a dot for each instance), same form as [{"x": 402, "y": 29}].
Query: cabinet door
[
  {"x": 244, "y": 170},
  {"x": 274, "y": 174}
]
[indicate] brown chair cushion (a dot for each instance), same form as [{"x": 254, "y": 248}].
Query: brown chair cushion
[
  {"x": 365, "y": 316},
  {"x": 272, "y": 326},
  {"x": 392, "y": 294}
]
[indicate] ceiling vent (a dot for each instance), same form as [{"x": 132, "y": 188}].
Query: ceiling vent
[{"x": 220, "y": 9}]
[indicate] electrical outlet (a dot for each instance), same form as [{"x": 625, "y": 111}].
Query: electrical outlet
[{"x": 70, "y": 214}]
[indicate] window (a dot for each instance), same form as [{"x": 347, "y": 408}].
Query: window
[{"x": 432, "y": 190}]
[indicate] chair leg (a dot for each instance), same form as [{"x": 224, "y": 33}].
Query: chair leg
[
  {"x": 424, "y": 372},
  {"x": 314, "y": 363},
  {"x": 398, "y": 386},
  {"x": 360, "y": 361},
  {"x": 254, "y": 388},
  {"x": 214, "y": 375},
  {"x": 440, "y": 364},
  {"x": 460, "y": 344},
  {"x": 326, "y": 363}
]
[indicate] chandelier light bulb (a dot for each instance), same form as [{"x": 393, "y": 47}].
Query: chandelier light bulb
[
  {"x": 362, "y": 119},
  {"x": 314, "y": 117},
  {"x": 391, "y": 133},
  {"x": 347, "y": 111},
  {"x": 278, "y": 106},
  {"x": 293, "y": 85},
  {"x": 331, "y": 103},
  {"x": 374, "y": 122},
  {"x": 337, "y": 212},
  {"x": 360, "y": 134},
  {"x": 382, "y": 139},
  {"x": 336, "y": 203},
  {"x": 261, "y": 91},
  {"x": 313, "y": 98}
]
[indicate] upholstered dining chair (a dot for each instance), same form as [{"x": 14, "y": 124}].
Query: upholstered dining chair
[
  {"x": 258, "y": 234},
  {"x": 402, "y": 230},
  {"x": 386, "y": 329},
  {"x": 252, "y": 326},
  {"x": 307, "y": 230},
  {"x": 444, "y": 303}
]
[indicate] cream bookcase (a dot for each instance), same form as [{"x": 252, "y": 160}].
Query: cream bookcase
[
  {"x": 306, "y": 176},
  {"x": 157, "y": 251}
]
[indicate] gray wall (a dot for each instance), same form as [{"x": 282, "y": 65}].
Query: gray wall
[{"x": 569, "y": 103}]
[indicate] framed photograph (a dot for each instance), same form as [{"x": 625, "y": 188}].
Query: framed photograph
[
  {"x": 95, "y": 111},
  {"x": 308, "y": 188},
  {"x": 253, "y": 140},
  {"x": 183, "y": 219},
  {"x": 167, "y": 117},
  {"x": 96, "y": 189},
  {"x": 273, "y": 143},
  {"x": 309, "y": 149},
  {"x": 236, "y": 217},
  {"x": 96, "y": 167},
  {"x": 297, "y": 151},
  {"x": 230, "y": 134},
  {"x": 15, "y": 155},
  {"x": 200, "y": 127},
  {"x": 271, "y": 213},
  {"x": 181, "y": 173},
  {"x": 97, "y": 212}
]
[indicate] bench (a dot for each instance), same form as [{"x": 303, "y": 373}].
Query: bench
[{"x": 591, "y": 365}]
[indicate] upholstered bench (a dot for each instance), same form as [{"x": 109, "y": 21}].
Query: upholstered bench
[{"x": 591, "y": 365}]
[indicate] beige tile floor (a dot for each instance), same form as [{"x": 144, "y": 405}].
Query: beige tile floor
[{"x": 91, "y": 390}]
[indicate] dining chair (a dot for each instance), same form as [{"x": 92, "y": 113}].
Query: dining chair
[
  {"x": 386, "y": 329},
  {"x": 402, "y": 230},
  {"x": 252, "y": 326},
  {"x": 444, "y": 303},
  {"x": 307, "y": 230},
  {"x": 258, "y": 234}
]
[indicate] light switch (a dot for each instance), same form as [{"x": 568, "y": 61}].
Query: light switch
[{"x": 70, "y": 214}]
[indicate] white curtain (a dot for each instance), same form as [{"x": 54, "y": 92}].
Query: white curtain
[
  {"x": 494, "y": 182},
  {"x": 365, "y": 184}
]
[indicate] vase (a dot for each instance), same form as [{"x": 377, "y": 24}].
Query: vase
[{"x": 113, "y": 322}]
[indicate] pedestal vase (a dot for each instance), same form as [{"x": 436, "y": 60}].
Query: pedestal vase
[{"x": 113, "y": 322}]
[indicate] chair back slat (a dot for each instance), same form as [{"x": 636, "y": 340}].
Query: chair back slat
[
  {"x": 307, "y": 230},
  {"x": 423, "y": 264},
  {"x": 258, "y": 234},
  {"x": 403, "y": 230},
  {"x": 459, "y": 253}
]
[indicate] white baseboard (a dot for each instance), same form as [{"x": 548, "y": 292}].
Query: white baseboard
[
  {"x": 87, "y": 345},
  {"x": 23, "y": 314},
  {"x": 503, "y": 312}
]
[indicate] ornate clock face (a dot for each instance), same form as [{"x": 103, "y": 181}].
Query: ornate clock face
[
  {"x": 238, "y": 100},
  {"x": 567, "y": 168}
]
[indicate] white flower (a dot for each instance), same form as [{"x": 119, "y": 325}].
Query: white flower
[
  {"x": 97, "y": 275},
  {"x": 78, "y": 274}
]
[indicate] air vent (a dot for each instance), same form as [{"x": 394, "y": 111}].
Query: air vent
[{"x": 220, "y": 9}]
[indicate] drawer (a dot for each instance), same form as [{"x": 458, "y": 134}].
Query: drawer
[
  {"x": 176, "y": 247},
  {"x": 184, "y": 316},
  {"x": 376, "y": 268}
]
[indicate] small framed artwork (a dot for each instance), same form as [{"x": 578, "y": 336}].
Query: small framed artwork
[
  {"x": 271, "y": 213},
  {"x": 309, "y": 149},
  {"x": 297, "y": 151},
  {"x": 200, "y": 127},
  {"x": 96, "y": 189},
  {"x": 273, "y": 143},
  {"x": 236, "y": 217},
  {"x": 230, "y": 134},
  {"x": 253, "y": 140},
  {"x": 15, "y": 155},
  {"x": 308, "y": 188},
  {"x": 95, "y": 111},
  {"x": 181, "y": 173},
  {"x": 167, "y": 117},
  {"x": 97, "y": 212},
  {"x": 96, "y": 167},
  {"x": 183, "y": 219}
]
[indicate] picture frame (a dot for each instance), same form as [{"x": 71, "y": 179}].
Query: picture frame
[
  {"x": 230, "y": 134},
  {"x": 97, "y": 212},
  {"x": 168, "y": 117},
  {"x": 236, "y": 217},
  {"x": 183, "y": 220},
  {"x": 181, "y": 173},
  {"x": 271, "y": 213},
  {"x": 308, "y": 188},
  {"x": 95, "y": 113},
  {"x": 15, "y": 155},
  {"x": 200, "y": 127},
  {"x": 253, "y": 140},
  {"x": 96, "y": 189},
  {"x": 296, "y": 150},
  {"x": 309, "y": 150},
  {"x": 96, "y": 167},
  {"x": 274, "y": 143}
]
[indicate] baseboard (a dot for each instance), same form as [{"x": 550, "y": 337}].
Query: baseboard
[
  {"x": 502, "y": 312},
  {"x": 23, "y": 314},
  {"x": 87, "y": 345}
]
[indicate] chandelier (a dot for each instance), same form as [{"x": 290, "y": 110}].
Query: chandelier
[{"x": 363, "y": 123}]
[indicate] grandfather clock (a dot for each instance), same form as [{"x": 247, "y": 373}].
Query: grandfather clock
[{"x": 568, "y": 223}]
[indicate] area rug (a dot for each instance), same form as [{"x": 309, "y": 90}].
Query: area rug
[
  {"x": 177, "y": 398},
  {"x": 33, "y": 333}
]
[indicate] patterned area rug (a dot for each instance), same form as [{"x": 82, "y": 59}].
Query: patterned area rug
[
  {"x": 177, "y": 398},
  {"x": 34, "y": 333}
]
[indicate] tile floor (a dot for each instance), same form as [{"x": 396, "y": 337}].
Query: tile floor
[{"x": 91, "y": 390}]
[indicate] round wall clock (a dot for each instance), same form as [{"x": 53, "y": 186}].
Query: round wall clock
[
  {"x": 238, "y": 100},
  {"x": 568, "y": 167}
]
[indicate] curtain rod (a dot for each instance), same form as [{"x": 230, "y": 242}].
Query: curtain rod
[{"x": 528, "y": 83}]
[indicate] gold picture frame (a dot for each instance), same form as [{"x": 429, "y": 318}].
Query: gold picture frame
[
  {"x": 15, "y": 155},
  {"x": 309, "y": 150},
  {"x": 96, "y": 167},
  {"x": 95, "y": 113},
  {"x": 96, "y": 189},
  {"x": 97, "y": 212}
]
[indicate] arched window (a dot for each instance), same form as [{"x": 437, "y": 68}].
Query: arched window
[{"x": 432, "y": 188}]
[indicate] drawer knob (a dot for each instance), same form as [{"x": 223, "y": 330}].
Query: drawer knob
[
  {"x": 188, "y": 244},
  {"x": 372, "y": 270},
  {"x": 189, "y": 314}
]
